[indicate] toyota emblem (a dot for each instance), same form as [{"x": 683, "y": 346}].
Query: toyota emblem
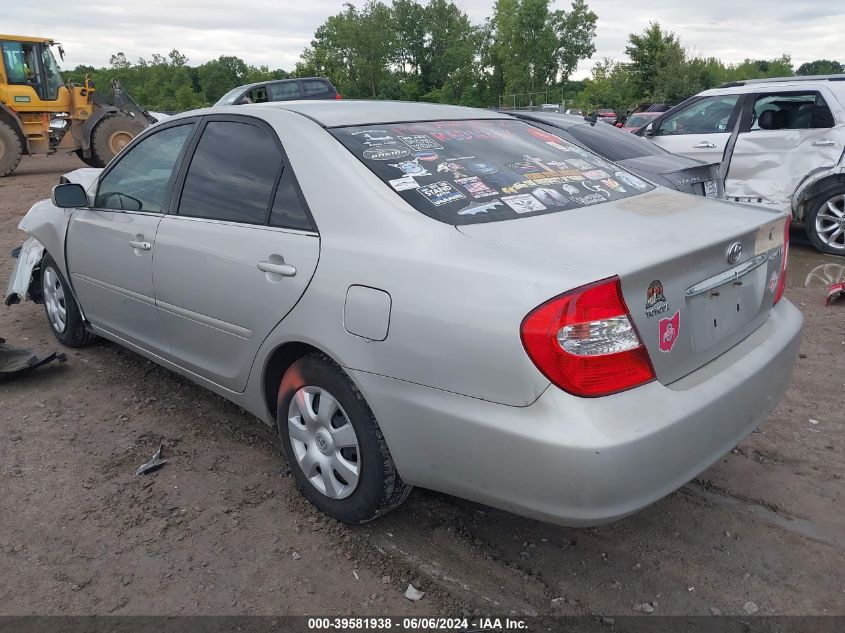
[{"x": 733, "y": 252}]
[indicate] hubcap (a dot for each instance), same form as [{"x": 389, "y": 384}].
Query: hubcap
[
  {"x": 830, "y": 222},
  {"x": 54, "y": 300},
  {"x": 119, "y": 140},
  {"x": 324, "y": 442}
]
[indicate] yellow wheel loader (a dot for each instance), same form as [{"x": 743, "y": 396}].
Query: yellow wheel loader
[{"x": 39, "y": 114}]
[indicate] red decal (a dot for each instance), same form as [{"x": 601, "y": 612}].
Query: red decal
[{"x": 669, "y": 330}]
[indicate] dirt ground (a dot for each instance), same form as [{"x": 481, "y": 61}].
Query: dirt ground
[{"x": 221, "y": 528}]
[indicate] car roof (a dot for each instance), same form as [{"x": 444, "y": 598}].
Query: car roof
[
  {"x": 330, "y": 113},
  {"x": 774, "y": 83}
]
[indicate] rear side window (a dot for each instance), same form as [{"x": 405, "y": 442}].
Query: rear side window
[
  {"x": 232, "y": 174},
  {"x": 288, "y": 210},
  {"x": 791, "y": 111},
  {"x": 466, "y": 172},
  {"x": 284, "y": 91},
  {"x": 314, "y": 87}
]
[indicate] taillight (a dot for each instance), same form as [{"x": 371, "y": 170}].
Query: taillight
[
  {"x": 585, "y": 342},
  {"x": 337, "y": 96},
  {"x": 784, "y": 260}
]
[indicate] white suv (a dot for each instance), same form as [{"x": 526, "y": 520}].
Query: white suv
[{"x": 780, "y": 142}]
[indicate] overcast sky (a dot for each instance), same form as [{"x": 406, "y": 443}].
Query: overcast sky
[{"x": 275, "y": 32}]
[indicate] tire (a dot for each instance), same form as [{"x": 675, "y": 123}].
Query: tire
[
  {"x": 11, "y": 149},
  {"x": 91, "y": 161},
  {"x": 110, "y": 136},
  {"x": 310, "y": 443},
  {"x": 825, "y": 221},
  {"x": 63, "y": 315}
]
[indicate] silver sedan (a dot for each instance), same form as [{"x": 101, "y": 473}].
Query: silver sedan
[{"x": 424, "y": 295}]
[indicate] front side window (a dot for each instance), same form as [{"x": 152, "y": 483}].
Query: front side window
[
  {"x": 141, "y": 179},
  {"x": 54, "y": 77},
  {"x": 710, "y": 115},
  {"x": 465, "y": 172},
  {"x": 791, "y": 111},
  {"x": 284, "y": 91},
  {"x": 232, "y": 174}
]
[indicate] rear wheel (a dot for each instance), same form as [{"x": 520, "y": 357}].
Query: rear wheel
[
  {"x": 825, "y": 222},
  {"x": 11, "y": 149},
  {"x": 110, "y": 136},
  {"x": 63, "y": 314},
  {"x": 334, "y": 446}
]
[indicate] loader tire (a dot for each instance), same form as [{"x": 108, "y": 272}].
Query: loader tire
[
  {"x": 90, "y": 161},
  {"x": 11, "y": 149},
  {"x": 110, "y": 136}
]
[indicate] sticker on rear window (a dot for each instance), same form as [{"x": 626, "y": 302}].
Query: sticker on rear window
[
  {"x": 523, "y": 203},
  {"x": 440, "y": 193},
  {"x": 404, "y": 183},
  {"x": 631, "y": 181},
  {"x": 476, "y": 188},
  {"x": 420, "y": 142},
  {"x": 386, "y": 153}
]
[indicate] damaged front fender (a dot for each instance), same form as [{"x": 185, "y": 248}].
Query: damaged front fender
[{"x": 29, "y": 258}]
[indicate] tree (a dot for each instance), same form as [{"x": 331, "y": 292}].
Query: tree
[
  {"x": 656, "y": 58},
  {"x": 820, "y": 67}
]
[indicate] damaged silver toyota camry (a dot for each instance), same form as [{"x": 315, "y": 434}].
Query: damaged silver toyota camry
[{"x": 425, "y": 295}]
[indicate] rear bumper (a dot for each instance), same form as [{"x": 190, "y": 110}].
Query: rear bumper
[{"x": 580, "y": 461}]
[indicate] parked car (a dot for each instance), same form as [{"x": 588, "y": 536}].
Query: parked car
[
  {"x": 780, "y": 142},
  {"x": 574, "y": 112},
  {"x": 633, "y": 153},
  {"x": 606, "y": 115},
  {"x": 550, "y": 107},
  {"x": 280, "y": 90},
  {"x": 426, "y": 295},
  {"x": 636, "y": 121}
]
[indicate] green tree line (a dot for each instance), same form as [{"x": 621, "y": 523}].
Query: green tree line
[{"x": 524, "y": 52}]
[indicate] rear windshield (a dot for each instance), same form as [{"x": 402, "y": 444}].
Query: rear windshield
[
  {"x": 613, "y": 143},
  {"x": 466, "y": 172}
]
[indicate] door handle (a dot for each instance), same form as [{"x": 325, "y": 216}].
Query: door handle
[
  {"x": 704, "y": 145},
  {"x": 285, "y": 270},
  {"x": 825, "y": 142},
  {"x": 142, "y": 246}
]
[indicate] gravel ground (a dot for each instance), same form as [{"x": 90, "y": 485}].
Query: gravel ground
[{"x": 221, "y": 528}]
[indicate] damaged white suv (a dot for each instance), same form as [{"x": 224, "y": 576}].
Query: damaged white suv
[{"x": 780, "y": 142}]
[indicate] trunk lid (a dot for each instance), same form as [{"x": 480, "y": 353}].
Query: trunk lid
[{"x": 688, "y": 302}]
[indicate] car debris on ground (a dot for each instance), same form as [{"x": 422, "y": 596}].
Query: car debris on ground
[
  {"x": 155, "y": 463},
  {"x": 16, "y": 361},
  {"x": 413, "y": 594}
]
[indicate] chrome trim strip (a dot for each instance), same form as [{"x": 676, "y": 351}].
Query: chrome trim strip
[
  {"x": 217, "y": 324},
  {"x": 722, "y": 278},
  {"x": 265, "y": 227},
  {"x": 121, "y": 291}
]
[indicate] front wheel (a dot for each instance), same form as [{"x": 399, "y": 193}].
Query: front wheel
[
  {"x": 63, "y": 314},
  {"x": 334, "y": 446},
  {"x": 825, "y": 222}
]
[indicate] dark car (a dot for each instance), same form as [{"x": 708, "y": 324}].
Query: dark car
[
  {"x": 281, "y": 90},
  {"x": 632, "y": 152}
]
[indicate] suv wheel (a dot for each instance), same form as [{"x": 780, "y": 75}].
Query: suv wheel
[
  {"x": 334, "y": 446},
  {"x": 825, "y": 222}
]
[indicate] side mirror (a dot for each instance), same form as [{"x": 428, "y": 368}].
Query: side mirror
[
  {"x": 649, "y": 130},
  {"x": 70, "y": 195}
]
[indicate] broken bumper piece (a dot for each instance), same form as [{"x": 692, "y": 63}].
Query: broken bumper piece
[{"x": 15, "y": 361}]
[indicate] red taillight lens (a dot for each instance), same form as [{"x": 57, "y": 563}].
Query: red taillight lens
[
  {"x": 784, "y": 261},
  {"x": 337, "y": 96},
  {"x": 585, "y": 342}
]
